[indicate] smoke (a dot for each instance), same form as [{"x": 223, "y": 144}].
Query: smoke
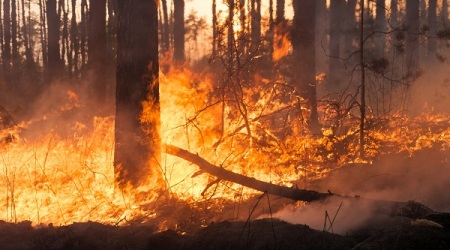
[{"x": 431, "y": 92}]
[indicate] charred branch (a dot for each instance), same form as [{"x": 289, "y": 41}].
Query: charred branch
[{"x": 221, "y": 173}]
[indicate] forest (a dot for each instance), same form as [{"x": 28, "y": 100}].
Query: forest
[{"x": 178, "y": 124}]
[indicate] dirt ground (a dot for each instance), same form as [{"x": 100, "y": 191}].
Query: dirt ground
[{"x": 258, "y": 234}]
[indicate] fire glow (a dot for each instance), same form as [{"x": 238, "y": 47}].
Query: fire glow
[{"x": 49, "y": 178}]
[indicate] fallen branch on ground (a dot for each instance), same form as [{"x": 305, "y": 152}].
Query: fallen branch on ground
[
  {"x": 270, "y": 188},
  {"x": 409, "y": 209}
]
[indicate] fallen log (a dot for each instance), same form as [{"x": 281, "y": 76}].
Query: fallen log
[
  {"x": 269, "y": 188},
  {"x": 409, "y": 209}
]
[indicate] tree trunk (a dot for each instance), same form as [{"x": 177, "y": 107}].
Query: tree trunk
[
  {"x": 83, "y": 32},
  {"x": 334, "y": 79},
  {"x": 214, "y": 28},
  {"x": 350, "y": 27},
  {"x": 444, "y": 12},
  {"x": 362, "y": 105},
  {"x": 280, "y": 12},
  {"x": 54, "y": 60},
  {"x": 412, "y": 38},
  {"x": 74, "y": 45},
  {"x": 1, "y": 41},
  {"x": 28, "y": 50},
  {"x": 230, "y": 40},
  {"x": 65, "y": 51},
  {"x": 380, "y": 28},
  {"x": 137, "y": 140},
  {"x": 242, "y": 40},
  {"x": 303, "y": 43},
  {"x": 43, "y": 34},
  {"x": 255, "y": 24},
  {"x": 6, "y": 56},
  {"x": 166, "y": 32},
  {"x": 393, "y": 24},
  {"x": 178, "y": 31},
  {"x": 432, "y": 24},
  {"x": 97, "y": 52},
  {"x": 14, "y": 37}
]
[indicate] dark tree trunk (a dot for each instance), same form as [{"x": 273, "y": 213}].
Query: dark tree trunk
[
  {"x": 432, "y": 24},
  {"x": 14, "y": 43},
  {"x": 137, "y": 141},
  {"x": 28, "y": 50},
  {"x": 1, "y": 40},
  {"x": 230, "y": 40},
  {"x": 242, "y": 40},
  {"x": 65, "y": 51},
  {"x": 380, "y": 28},
  {"x": 444, "y": 12},
  {"x": 43, "y": 34},
  {"x": 412, "y": 39},
  {"x": 83, "y": 32},
  {"x": 166, "y": 31},
  {"x": 362, "y": 104},
  {"x": 303, "y": 43},
  {"x": 178, "y": 30},
  {"x": 280, "y": 11},
  {"x": 393, "y": 23},
  {"x": 321, "y": 36},
  {"x": 54, "y": 59},
  {"x": 214, "y": 28},
  {"x": 97, "y": 51},
  {"x": 256, "y": 24},
  {"x": 74, "y": 45},
  {"x": 6, "y": 56},
  {"x": 350, "y": 27},
  {"x": 334, "y": 80}
]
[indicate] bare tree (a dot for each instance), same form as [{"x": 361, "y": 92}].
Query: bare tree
[
  {"x": 303, "y": 43},
  {"x": 255, "y": 23},
  {"x": 380, "y": 28},
  {"x": 412, "y": 41},
  {"x": 432, "y": 24},
  {"x": 6, "y": 56},
  {"x": 178, "y": 31},
  {"x": 137, "y": 141},
  {"x": 280, "y": 11},
  {"x": 97, "y": 50},
  {"x": 54, "y": 60},
  {"x": 165, "y": 31},
  {"x": 335, "y": 44}
]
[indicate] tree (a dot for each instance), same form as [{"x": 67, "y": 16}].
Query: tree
[
  {"x": 350, "y": 27},
  {"x": 255, "y": 23},
  {"x": 280, "y": 11},
  {"x": 14, "y": 37},
  {"x": 74, "y": 45},
  {"x": 412, "y": 40},
  {"x": 303, "y": 43},
  {"x": 54, "y": 60},
  {"x": 380, "y": 28},
  {"x": 178, "y": 31},
  {"x": 165, "y": 29},
  {"x": 432, "y": 24},
  {"x": 214, "y": 28},
  {"x": 97, "y": 50},
  {"x": 137, "y": 140},
  {"x": 6, "y": 55},
  {"x": 335, "y": 45}
]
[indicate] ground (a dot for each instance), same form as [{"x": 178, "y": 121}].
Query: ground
[{"x": 259, "y": 234}]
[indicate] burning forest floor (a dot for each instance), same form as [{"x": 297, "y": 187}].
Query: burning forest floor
[
  {"x": 57, "y": 172},
  {"x": 268, "y": 222}
]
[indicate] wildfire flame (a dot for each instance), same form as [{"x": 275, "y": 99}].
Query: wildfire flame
[{"x": 58, "y": 179}]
